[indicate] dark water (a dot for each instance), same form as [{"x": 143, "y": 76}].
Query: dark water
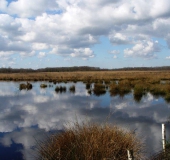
[{"x": 26, "y": 116}]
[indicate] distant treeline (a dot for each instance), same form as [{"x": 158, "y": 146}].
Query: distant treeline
[{"x": 79, "y": 68}]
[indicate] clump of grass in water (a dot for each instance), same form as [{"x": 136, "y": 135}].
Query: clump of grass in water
[
  {"x": 99, "y": 89},
  {"x": 167, "y": 97},
  {"x": 158, "y": 90},
  {"x": 27, "y": 86},
  {"x": 72, "y": 89},
  {"x": 89, "y": 141},
  {"x": 139, "y": 91},
  {"x": 114, "y": 89},
  {"x": 124, "y": 87},
  {"x": 43, "y": 86},
  {"x": 60, "y": 89},
  {"x": 88, "y": 86}
]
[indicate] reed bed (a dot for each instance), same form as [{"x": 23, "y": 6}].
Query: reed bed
[
  {"x": 118, "y": 82},
  {"x": 90, "y": 141},
  {"x": 87, "y": 76}
]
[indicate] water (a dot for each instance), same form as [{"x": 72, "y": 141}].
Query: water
[{"x": 27, "y": 116}]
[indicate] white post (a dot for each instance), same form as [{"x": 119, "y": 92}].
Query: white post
[
  {"x": 164, "y": 136},
  {"x": 130, "y": 154}
]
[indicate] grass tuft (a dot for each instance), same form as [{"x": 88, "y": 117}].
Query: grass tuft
[
  {"x": 99, "y": 89},
  {"x": 43, "y": 86},
  {"x": 60, "y": 89},
  {"x": 90, "y": 141},
  {"x": 27, "y": 86},
  {"x": 72, "y": 89}
]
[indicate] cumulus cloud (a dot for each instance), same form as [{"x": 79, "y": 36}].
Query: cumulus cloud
[
  {"x": 40, "y": 46},
  {"x": 118, "y": 39},
  {"x": 69, "y": 27},
  {"x": 41, "y": 54},
  {"x": 23, "y": 8},
  {"x": 84, "y": 53},
  {"x": 143, "y": 49},
  {"x": 168, "y": 57},
  {"x": 3, "y": 5}
]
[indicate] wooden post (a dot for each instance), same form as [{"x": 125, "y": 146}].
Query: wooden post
[
  {"x": 130, "y": 154},
  {"x": 164, "y": 136}
]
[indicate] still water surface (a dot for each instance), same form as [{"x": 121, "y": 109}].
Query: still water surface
[{"x": 26, "y": 116}]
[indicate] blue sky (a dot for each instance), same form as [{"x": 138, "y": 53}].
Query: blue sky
[{"x": 100, "y": 33}]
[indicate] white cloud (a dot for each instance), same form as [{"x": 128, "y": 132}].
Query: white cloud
[
  {"x": 84, "y": 53},
  {"x": 39, "y": 46},
  {"x": 3, "y": 5},
  {"x": 30, "y": 36},
  {"x": 144, "y": 49},
  {"x": 24, "y": 8},
  {"x": 41, "y": 54},
  {"x": 69, "y": 26},
  {"x": 5, "y": 54},
  {"x": 118, "y": 39}
]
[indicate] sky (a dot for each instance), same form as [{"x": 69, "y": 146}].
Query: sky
[{"x": 99, "y": 33}]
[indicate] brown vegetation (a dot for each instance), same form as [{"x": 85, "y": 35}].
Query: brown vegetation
[
  {"x": 99, "y": 89},
  {"x": 72, "y": 89},
  {"x": 141, "y": 82},
  {"x": 27, "y": 86},
  {"x": 60, "y": 89},
  {"x": 87, "y": 76},
  {"x": 91, "y": 142},
  {"x": 43, "y": 86}
]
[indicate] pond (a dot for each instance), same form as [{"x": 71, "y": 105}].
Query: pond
[{"x": 28, "y": 116}]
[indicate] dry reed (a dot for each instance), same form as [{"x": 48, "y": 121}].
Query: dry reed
[{"x": 90, "y": 141}]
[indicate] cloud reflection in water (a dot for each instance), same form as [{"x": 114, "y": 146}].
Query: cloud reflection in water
[{"x": 28, "y": 115}]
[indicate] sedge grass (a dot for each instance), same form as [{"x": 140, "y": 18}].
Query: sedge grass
[
  {"x": 92, "y": 76},
  {"x": 99, "y": 89},
  {"x": 72, "y": 89},
  {"x": 27, "y": 86},
  {"x": 89, "y": 141}
]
